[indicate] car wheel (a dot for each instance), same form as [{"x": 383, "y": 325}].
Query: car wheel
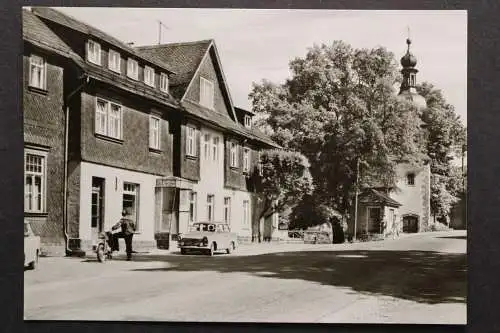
[
  {"x": 101, "y": 256},
  {"x": 34, "y": 263},
  {"x": 231, "y": 248},
  {"x": 183, "y": 251},
  {"x": 211, "y": 250}
]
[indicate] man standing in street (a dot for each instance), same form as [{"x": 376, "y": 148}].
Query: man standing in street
[{"x": 128, "y": 229}]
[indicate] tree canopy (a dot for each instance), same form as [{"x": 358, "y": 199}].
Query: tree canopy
[
  {"x": 338, "y": 107},
  {"x": 284, "y": 180}
]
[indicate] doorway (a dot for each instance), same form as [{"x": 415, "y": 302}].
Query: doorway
[
  {"x": 410, "y": 223},
  {"x": 97, "y": 208},
  {"x": 374, "y": 225}
]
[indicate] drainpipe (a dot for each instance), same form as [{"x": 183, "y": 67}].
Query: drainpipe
[{"x": 66, "y": 130}]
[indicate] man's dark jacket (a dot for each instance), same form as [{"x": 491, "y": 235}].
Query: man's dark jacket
[{"x": 127, "y": 225}]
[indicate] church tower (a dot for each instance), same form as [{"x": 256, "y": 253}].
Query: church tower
[{"x": 408, "y": 89}]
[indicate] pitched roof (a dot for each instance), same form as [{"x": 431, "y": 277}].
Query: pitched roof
[
  {"x": 371, "y": 195},
  {"x": 183, "y": 58},
  {"x": 36, "y": 32},
  {"x": 222, "y": 121},
  {"x": 58, "y": 17}
]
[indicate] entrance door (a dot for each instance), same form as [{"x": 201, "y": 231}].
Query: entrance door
[
  {"x": 410, "y": 223},
  {"x": 97, "y": 211},
  {"x": 374, "y": 220}
]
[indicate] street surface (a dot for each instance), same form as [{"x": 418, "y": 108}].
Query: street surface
[{"x": 415, "y": 279}]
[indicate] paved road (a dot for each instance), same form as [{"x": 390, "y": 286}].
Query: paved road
[{"x": 415, "y": 279}]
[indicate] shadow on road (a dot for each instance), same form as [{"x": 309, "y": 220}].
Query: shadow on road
[{"x": 421, "y": 276}]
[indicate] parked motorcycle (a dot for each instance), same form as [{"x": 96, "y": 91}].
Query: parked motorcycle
[{"x": 103, "y": 248}]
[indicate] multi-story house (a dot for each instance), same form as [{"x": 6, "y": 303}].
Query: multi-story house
[
  {"x": 217, "y": 151},
  {"x": 120, "y": 141},
  {"x": 150, "y": 130}
]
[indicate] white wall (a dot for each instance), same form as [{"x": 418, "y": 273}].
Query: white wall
[
  {"x": 410, "y": 196},
  {"x": 113, "y": 195},
  {"x": 212, "y": 182}
]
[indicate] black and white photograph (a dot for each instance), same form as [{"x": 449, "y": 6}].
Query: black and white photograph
[{"x": 245, "y": 165}]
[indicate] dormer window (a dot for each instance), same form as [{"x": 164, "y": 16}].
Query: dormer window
[
  {"x": 149, "y": 76},
  {"x": 206, "y": 93},
  {"x": 410, "y": 179},
  {"x": 164, "y": 82},
  {"x": 248, "y": 121},
  {"x": 132, "y": 69},
  {"x": 114, "y": 61},
  {"x": 94, "y": 52}
]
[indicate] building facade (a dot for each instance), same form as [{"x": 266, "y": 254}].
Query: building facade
[
  {"x": 45, "y": 59},
  {"x": 149, "y": 130}
]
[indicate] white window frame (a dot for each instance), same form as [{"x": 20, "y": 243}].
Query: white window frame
[
  {"x": 164, "y": 82},
  {"x": 246, "y": 213},
  {"x": 149, "y": 79},
  {"x": 33, "y": 174},
  {"x": 210, "y": 207},
  {"x": 246, "y": 159},
  {"x": 95, "y": 56},
  {"x": 42, "y": 67},
  {"x": 108, "y": 117},
  {"x": 114, "y": 61},
  {"x": 227, "y": 210},
  {"x": 206, "y": 93},
  {"x": 133, "y": 189},
  {"x": 215, "y": 148},
  {"x": 193, "y": 196},
  {"x": 133, "y": 69},
  {"x": 206, "y": 145},
  {"x": 233, "y": 154},
  {"x": 248, "y": 121},
  {"x": 191, "y": 146},
  {"x": 155, "y": 132}
]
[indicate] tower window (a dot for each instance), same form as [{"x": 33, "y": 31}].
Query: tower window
[
  {"x": 413, "y": 79},
  {"x": 410, "y": 178}
]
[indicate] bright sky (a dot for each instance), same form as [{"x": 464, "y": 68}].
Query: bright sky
[{"x": 255, "y": 44}]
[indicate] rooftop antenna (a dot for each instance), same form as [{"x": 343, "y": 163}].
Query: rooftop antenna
[{"x": 160, "y": 25}]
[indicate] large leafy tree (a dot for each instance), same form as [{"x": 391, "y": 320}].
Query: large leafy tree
[
  {"x": 339, "y": 108},
  {"x": 284, "y": 180},
  {"x": 445, "y": 139}
]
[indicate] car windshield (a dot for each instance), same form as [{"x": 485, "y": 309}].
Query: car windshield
[{"x": 203, "y": 227}]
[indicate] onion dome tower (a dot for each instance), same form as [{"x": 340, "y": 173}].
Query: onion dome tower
[{"x": 408, "y": 90}]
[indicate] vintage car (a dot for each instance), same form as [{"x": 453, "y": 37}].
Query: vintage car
[
  {"x": 208, "y": 237},
  {"x": 31, "y": 247}
]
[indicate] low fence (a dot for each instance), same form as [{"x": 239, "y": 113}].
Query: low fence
[{"x": 311, "y": 236}]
